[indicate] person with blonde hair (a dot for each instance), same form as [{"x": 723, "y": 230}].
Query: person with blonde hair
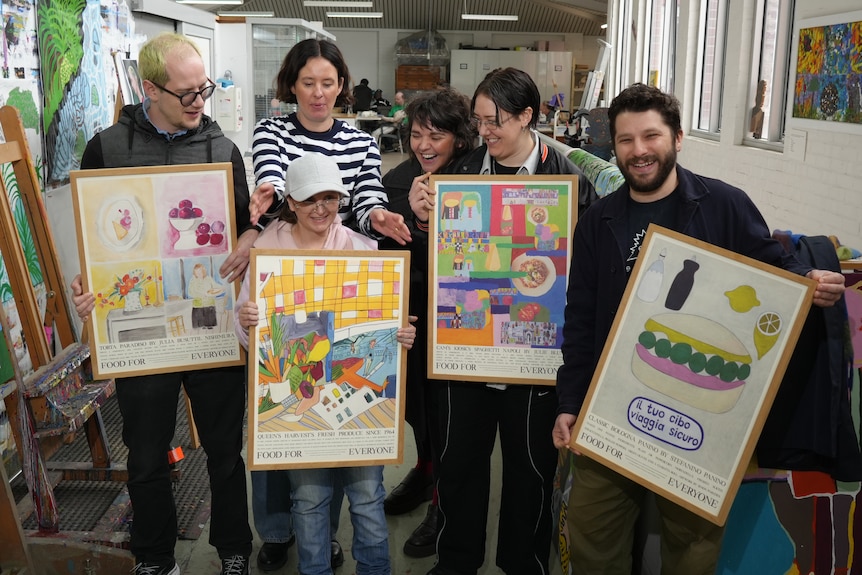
[{"x": 170, "y": 127}]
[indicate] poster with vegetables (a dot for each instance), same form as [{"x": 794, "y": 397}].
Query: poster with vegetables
[
  {"x": 326, "y": 374},
  {"x": 151, "y": 242},
  {"x": 499, "y": 258},
  {"x": 696, "y": 353}
]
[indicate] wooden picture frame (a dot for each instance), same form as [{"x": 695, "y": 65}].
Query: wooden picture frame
[
  {"x": 695, "y": 356},
  {"x": 326, "y": 374},
  {"x": 499, "y": 254},
  {"x": 151, "y": 241}
]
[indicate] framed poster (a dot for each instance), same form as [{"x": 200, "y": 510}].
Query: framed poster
[
  {"x": 151, "y": 241},
  {"x": 131, "y": 85},
  {"x": 326, "y": 374},
  {"x": 693, "y": 361},
  {"x": 826, "y": 85},
  {"x": 498, "y": 266}
]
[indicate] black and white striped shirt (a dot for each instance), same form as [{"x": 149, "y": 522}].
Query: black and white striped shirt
[{"x": 280, "y": 140}]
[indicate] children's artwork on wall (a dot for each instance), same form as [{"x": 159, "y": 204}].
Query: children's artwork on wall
[
  {"x": 499, "y": 265},
  {"x": 827, "y": 84},
  {"x": 77, "y": 77},
  {"x": 326, "y": 374},
  {"x": 151, "y": 242},
  {"x": 20, "y": 53}
]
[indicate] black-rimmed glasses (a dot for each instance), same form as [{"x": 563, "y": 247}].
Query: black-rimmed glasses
[{"x": 188, "y": 98}]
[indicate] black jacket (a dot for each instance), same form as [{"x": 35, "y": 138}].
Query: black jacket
[
  {"x": 810, "y": 426},
  {"x": 133, "y": 141},
  {"x": 550, "y": 162},
  {"x": 397, "y": 182}
]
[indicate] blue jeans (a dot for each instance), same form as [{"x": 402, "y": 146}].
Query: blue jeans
[
  {"x": 312, "y": 491},
  {"x": 270, "y": 505}
]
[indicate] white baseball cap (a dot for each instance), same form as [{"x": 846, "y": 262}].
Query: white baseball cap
[{"x": 311, "y": 174}]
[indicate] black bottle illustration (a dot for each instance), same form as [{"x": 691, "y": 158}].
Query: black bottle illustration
[{"x": 681, "y": 286}]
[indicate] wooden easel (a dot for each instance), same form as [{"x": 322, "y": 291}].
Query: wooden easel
[{"x": 55, "y": 402}]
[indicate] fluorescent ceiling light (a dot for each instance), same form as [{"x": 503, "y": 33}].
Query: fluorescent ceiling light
[
  {"x": 247, "y": 14},
  {"x": 337, "y": 3},
  {"x": 604, "y": 26},
  {"x": 219, "y": 2},
  {"x": 354, "y": 14},
  {"x": 504, "y": 17}
]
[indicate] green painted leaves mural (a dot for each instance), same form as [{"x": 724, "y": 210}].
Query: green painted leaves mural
[{"x": 60, "y": 49}]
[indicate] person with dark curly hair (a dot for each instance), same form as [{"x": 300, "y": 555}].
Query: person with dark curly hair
[{"x": 440, "y": 133}]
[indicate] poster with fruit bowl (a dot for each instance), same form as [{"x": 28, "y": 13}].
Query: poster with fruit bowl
[
  {"x": 151, "y": 241},
  {"x": 499, "y": 265},
  {"x": 685, "y": 381}
]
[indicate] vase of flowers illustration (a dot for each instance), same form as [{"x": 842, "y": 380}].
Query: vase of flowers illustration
[{"x": 128, "y": 291}]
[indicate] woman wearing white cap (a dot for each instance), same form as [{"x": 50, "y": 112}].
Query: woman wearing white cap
[
  {"x": 315, "y": 77},
  {"x": 309, "y": 221}
]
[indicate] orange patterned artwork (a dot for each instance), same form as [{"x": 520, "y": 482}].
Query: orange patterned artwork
[{"x": 326, "y": 367}]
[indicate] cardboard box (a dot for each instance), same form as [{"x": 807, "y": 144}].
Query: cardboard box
[
  {"x": 556, "y": 46},
  {"x": 542, "y": 45}
]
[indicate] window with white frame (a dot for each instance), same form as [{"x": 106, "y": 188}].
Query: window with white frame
[
  {"x": 622, "y": 33},
  {"x": 773, "y": 33},
  {"x": 661, "y": 42},
  {"x": 710, "y": 66}
]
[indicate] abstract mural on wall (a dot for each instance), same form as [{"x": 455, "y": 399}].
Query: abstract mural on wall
[
  {"x": 828, "y": 83},
  {"x": 76, "y": 40}
]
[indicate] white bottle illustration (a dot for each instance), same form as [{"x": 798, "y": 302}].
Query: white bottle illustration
[{"x": 650, "y": 285}]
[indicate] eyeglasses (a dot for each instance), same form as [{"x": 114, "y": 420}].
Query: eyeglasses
[
  {"x": 311, "y": 205},
  {"x": 188, "y": 98},
  {"x": 490, "y": 124}
]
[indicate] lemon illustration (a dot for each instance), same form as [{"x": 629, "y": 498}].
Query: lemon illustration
[
  {"x": 742, "y": 299},
  {"x": 766, "y": 332}
]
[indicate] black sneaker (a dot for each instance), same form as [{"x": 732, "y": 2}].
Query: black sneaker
[
  {"x": 414, "y": 489},
  {"x": 236, "y": 565},
  {"x": 155, "y": 569},
  {"x": 423, "y": 541},
  {"x": 336, "y": 554}
]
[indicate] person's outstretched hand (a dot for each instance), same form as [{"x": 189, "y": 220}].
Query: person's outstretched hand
[
  {"x": 261, "y": 200},
  {"x": 390, "y": 225}
]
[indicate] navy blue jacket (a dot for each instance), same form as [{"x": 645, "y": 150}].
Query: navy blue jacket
[{"x": 710, "y": 210}]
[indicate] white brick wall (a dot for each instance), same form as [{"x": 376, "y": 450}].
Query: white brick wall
[{"x": 820, "y": 195}]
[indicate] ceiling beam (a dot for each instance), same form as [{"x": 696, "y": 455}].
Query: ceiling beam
[{"x": 597, "y": 17}]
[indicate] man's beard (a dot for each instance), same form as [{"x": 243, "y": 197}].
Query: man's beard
[{"x": 666, "y": 164}]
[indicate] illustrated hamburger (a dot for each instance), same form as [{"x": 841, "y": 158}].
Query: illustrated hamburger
[{"x": 692, "y": 359}]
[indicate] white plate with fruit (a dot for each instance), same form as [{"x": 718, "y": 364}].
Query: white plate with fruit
[{"x": 121, "y": 224}]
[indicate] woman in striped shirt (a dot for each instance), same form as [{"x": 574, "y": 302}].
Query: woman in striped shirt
[{"x": 315, "y": 77}]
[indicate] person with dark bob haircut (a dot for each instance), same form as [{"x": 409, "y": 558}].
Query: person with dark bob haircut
[
  {"x": 314, "y": 76},
  {"x": 505, "y": 109},
  {"x": 440, "y": 133},
  {"x": 604, "y": 506}
]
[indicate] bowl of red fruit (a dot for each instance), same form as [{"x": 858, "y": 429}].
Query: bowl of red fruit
[{"x": 185, "y": 216}]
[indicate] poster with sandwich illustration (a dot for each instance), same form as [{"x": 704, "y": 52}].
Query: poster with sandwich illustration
[{"x": 688, "y": 374}]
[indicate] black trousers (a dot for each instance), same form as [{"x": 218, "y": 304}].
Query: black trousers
[
  {"x": 471, "y": 414},
  {"x": 148, "y": 405}
]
